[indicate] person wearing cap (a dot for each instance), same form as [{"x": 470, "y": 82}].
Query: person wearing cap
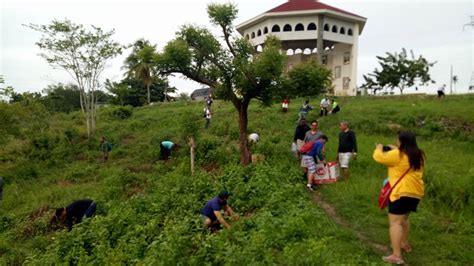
[
  {"x": 74, "y": 212},
  {"x": 211, "y": 213}
]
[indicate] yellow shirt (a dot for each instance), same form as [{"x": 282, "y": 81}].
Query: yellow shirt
[{"x": 412, "y": 183}]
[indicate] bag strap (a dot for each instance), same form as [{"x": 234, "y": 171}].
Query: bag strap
[{"x": 404, "y": 174}]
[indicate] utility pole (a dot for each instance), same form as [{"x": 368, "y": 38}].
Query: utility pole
[{"x": 451, "y": 81}]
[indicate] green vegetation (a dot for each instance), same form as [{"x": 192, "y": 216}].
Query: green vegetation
[{"x": 148, "y": 211}]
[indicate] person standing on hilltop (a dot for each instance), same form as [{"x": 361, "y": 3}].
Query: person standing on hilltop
[
  {"x": 347, "y": 148},
  {"x": 405, "y": 164},
  {"x": 441, "y": 91}
]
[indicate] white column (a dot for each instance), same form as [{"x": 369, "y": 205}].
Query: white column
[{"x": 354, "y": 60}]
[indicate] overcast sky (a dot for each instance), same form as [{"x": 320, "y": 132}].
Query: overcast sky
[{"x": 431, "y": 28}]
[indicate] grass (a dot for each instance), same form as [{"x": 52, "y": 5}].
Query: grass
[{"x": 148, "y": 210}]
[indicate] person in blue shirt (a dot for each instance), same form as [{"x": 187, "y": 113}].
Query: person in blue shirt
[
  {"x": 165, "y": 149},
  {"x": 310, "y": 158},
  {"x": 211, "y": 213}
]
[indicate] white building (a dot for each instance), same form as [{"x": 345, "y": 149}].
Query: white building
[{"x": 305, "y": 25}]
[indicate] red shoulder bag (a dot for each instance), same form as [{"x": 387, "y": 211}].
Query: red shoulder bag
[{"x": 384, "y": 196}]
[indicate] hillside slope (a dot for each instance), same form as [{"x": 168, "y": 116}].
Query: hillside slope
[{"x": 148, "y": 210}]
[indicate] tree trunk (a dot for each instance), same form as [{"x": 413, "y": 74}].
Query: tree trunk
[
  {"x": 192, "y": 145},
  {"x": 243, "y": 121},
  {"x": 148, "y": 93}
]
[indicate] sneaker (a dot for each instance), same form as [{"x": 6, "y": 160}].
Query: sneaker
[
  {"x": 393, "y": 259},
  {"x": 310, "y": 188}
]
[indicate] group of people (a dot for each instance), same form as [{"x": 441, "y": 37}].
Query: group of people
[
  {"x": 405, "y": 163},
  {"x": 311, "y": 149},
  {"x": 326, "y": 106}
]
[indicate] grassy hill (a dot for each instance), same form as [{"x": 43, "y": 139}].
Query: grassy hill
[{"x": 148, "y": 210}]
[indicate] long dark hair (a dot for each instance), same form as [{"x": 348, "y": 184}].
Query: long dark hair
[{"x": 409, "y": 147}]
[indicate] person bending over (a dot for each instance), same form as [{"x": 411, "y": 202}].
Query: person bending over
[{"x": 73, "y": 213}]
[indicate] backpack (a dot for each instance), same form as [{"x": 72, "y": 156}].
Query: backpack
[
  {"x": 307, "y": 147},
  {"x": 109, "y": 146}
]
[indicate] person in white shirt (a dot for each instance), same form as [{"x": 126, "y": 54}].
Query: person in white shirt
[
  {"x": 441, "y": 91},
  {"x": 207, "y": 115},
  {"x": 324, "y": 106},
  {"x": 254, "y": 138}
]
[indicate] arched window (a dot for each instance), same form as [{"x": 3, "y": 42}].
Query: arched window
[
  {"x": 334, "y": 28},
  {"x": 349, "y": 32},
  {"x": 298, "y": 51},
  {"x": 265, "y": 30},
  {"x": 326, "y": 27},
  {"x": 247, "y": 36},
  {"x": 290, "y": 52},
  {"x": 299, "y": 27},
  {"x": 342, "y": 30},
  {"x": 307, "y": 51},
  {"x": 253, "y": 35},
  {"x": 259, "y": 48},
  {"x": 276, "y": 28},
  {"x": 312, "y": 26},
  {"x": 259, "y": 33},
  {"x": 287, "y": 27}
]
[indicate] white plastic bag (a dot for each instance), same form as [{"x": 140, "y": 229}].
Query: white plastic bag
[{"x": 294, "y": 148}]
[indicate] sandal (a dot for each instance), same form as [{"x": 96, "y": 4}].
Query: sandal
[
  {"x": 407, "y": 248},
  {"x": 393, "y": 259}
]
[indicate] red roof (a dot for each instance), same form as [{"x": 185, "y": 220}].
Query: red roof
[{"x": 300, "y": 5}]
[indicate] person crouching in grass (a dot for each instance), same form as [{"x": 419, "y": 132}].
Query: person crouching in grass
[
  {"x": 211, "y": 213},
  {"x": 73, "y": 213}
]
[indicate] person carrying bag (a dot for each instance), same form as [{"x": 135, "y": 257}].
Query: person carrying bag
[{"x": 403, "y": 191}]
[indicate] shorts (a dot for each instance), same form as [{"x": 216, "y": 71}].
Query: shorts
[
  {"x": 403, "y": 205},
  {"x": 299, "y": 143},
  {"x": 309, "y": 163},
  {"x": 344, "y": 158},
  {"x": 440, "y": 93}
]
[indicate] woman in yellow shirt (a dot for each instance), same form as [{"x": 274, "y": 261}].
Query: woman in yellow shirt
[{"x": 407, "y": 193}]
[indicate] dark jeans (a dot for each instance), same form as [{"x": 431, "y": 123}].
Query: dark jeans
[
  {"x": 336, "y": 109},
  {"x": 208, "y": 122},
  {"x": 324, "y": 111},
  {"x": 164, "y": 153},
  {"x": 91, "y": 210}
]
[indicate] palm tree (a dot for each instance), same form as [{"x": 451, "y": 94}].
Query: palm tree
[
  {"x": 455, "y": 80},
  {"x": 140, "y": 64}
]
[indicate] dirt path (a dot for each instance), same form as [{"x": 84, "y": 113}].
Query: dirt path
[{"x": 331, "y": 212}]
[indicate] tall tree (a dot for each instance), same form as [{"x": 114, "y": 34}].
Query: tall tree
[
  {"x": 399, "y": 71},
  {"x": 83, "y": 54},
  {"x": 233, "y": 69},
  {"x": 141, "y": 62}
]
